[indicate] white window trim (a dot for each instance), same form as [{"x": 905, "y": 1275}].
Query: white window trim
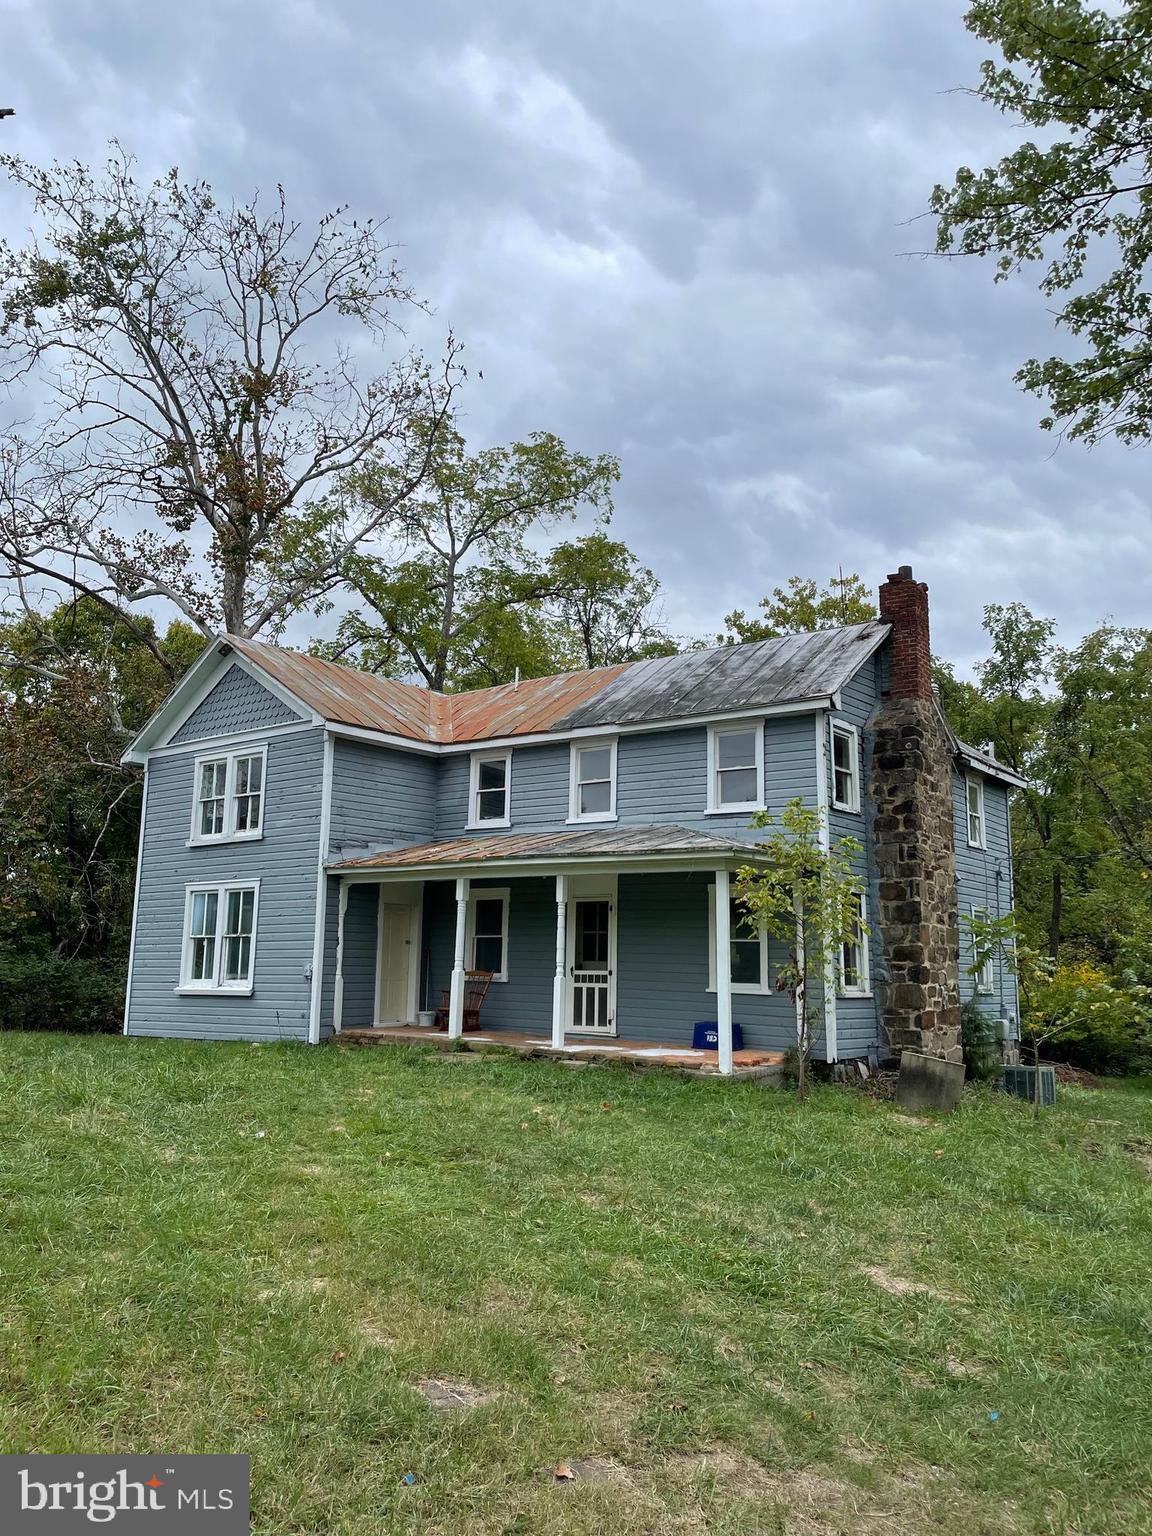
[
  {"x": 844, "y": 728},
  {"x": 574, "y": 781},
  {"x": 746, "y": 988},
  {"x": 983, "y": 980},
  {"x": 474, "y": 824},
  {"x": 728, "y": 729},
  {"x": 503, "y": 894},
  {"x": 863, "y": 987},
  {"x": 197, "y": 839},
  {"x": 216, "y": 988},
  {"x": 971, "y": 780}
]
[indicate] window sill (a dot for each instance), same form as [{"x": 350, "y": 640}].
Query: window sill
[
  {"x": 216, "y": 842},
  {"x": 848, "y": 810},
  {"x": 213, "y": 991},
  {"x": 733, "y": 810},
  {"x": 853, "y": 995},
  {"x": 487, "y": 826},
  {"x": 979, "y": 847},
  {"x": 580, "y": 821},
  {"x": 742, "y": 989}
]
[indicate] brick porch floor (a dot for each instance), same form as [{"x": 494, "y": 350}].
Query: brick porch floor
[{"x": 746, "y": 1063}]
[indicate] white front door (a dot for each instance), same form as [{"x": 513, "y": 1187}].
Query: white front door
[
  {"x": 396, "y": 966},
  {"x": 592, "y": 962}
]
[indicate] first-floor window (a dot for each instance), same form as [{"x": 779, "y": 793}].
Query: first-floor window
[
  {"x": 984, "y": 979},
  {"x": 489, "y": 947},
  {"x": 854, "y": 954},
  {"x": 219, "y": 938},
  {"x": 747, "y": 947}
]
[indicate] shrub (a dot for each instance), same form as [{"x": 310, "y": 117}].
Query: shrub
[
  {"x": 1100, "y": 1022},
  {"x": 980, "y": 1036},
  {"x": 42, "y": 990}
]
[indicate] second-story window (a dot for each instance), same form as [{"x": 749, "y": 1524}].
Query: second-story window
[
  {"x": 845, "y": 766},
  {"x": 229, "y": 800},
  {"x": 736, "y": 767},
  {"x": 593, "y": 781},
  {"x": 976, "y": 831},
  {"x": 490, "y": 798}
]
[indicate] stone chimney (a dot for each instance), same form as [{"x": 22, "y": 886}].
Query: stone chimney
[{"x": 915, "y": 851}]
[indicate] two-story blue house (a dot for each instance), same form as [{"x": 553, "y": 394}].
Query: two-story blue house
[{"x": 324, "y": 850}]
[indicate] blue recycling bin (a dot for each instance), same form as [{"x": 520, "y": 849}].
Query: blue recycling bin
[{"x": 706, "y": 1036}]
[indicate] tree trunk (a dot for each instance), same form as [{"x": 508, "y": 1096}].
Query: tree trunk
[
  {"x": 235, "y": 582},
  {"x": 1056, "y": 916}
]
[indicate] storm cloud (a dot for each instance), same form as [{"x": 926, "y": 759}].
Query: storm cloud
[{"x": 685, "y": 234}]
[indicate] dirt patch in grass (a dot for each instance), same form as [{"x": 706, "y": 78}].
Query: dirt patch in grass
[
  {"x": 961, "y": 1368},
  {"x": 1140, "y": 1149},
  {"x": 452, "y": 1396},
  {"x": 899, "y": 1285},
  {"x": 904, "y": 1119},
  {"x": 373, "y": 1334},
  {"x": 595, "y": 1469}
]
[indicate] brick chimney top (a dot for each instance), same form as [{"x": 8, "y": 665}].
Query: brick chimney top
[{"x": 904, "y": 605}]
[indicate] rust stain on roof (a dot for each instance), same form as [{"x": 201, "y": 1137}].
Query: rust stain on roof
[{"x": 352, "y": 697}]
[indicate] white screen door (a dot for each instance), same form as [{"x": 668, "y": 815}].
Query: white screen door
[{"x": 590, "y": 949}]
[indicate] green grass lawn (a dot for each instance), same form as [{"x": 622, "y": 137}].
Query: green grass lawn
[{"x": 663, "y": 1281}]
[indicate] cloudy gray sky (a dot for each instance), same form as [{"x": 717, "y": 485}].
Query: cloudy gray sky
[{"x": 675, "y": 231}]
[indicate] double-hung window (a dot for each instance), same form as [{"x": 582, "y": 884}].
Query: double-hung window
[
  {"x": 219, "y": 938},
  {"x": 489, "y": 796},
  {"x": 854, "y": 975},
  {"x": 748, "y": 947},
  {"x": 975, "y": 802},
  {"x": 593, "y": 781},
  {"x": 984, "y": 976},
  {"x": 229, "y": 797},
  {"x": 736, "y": 767},
  {"x": 488, "y": 935},
  {"x": 845, "y": 766}
]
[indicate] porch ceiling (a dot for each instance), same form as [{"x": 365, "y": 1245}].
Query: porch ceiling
[{"x": 599, "y": 843}]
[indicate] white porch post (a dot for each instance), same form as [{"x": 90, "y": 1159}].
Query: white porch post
[
  {"x": 456, "y": 996},
  {"x": 558, "y": 984},
  {"x": 723, "y": 974},
  {"x": 338, "y": 997}
]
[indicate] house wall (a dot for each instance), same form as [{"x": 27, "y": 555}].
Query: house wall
[
  {"x": 381, "y": 798},
  {"x": 984, "y": 879},
  {"x": 661, "y": 778},
  {"x": 857, "y": 1018},
  {"x": 283, "y": 860},
  {"x": 237, "y": 703}
]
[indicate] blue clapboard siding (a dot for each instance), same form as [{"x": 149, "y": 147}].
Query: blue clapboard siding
[
  {"x": 284, "y": 861},
  {"x": 381, "y": 798},
  {"x": 662, "y": 779},
  {"x": 237, "y": 703},
  {"x": 984, "y": 879},
  {"x": 360, "y": 944},
  {"x": 524, "y": 1001},
  {"x": 857, "y": 1018}
]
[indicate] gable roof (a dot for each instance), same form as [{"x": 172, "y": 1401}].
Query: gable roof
[{"x": 718, "y": 681}]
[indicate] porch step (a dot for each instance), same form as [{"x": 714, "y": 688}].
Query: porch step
[{"x": 669, "y": 1056}]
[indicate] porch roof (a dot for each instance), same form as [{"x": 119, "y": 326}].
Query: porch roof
[{"x": 603, "y": 844}]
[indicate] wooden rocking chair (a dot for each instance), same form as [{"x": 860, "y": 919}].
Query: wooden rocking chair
[{"x": 476, "y": 984}]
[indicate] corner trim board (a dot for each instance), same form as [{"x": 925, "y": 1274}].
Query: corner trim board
[{"x": 321, "y": 890}]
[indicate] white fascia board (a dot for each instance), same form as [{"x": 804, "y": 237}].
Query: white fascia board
[
  {"x": 576, "y": 733},
  {"x": 546, "y": 868}
]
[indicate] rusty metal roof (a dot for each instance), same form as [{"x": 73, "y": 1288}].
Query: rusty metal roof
[
  {"x": 510, "y": 847},
  {"x": 722, "y": 680},
  {"x": 351, "y": 697},
  {"x": 982, "y": 759},
  {"x": 728, "y": 678}
]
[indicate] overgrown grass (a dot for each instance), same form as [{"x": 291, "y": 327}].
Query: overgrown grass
[{"x": 264, "y": 1249}]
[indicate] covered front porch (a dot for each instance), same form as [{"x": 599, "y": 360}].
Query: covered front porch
[{"x": 618, "y": 944}]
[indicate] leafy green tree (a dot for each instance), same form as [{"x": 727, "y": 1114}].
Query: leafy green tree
[
  {"x": 463, "y": 589},
  {"x": 807, "y": 896},
  {"x": 1076, "y": 201},
  {"x": 800, "y": 607},
  {"x": 72, "y": 689}
]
